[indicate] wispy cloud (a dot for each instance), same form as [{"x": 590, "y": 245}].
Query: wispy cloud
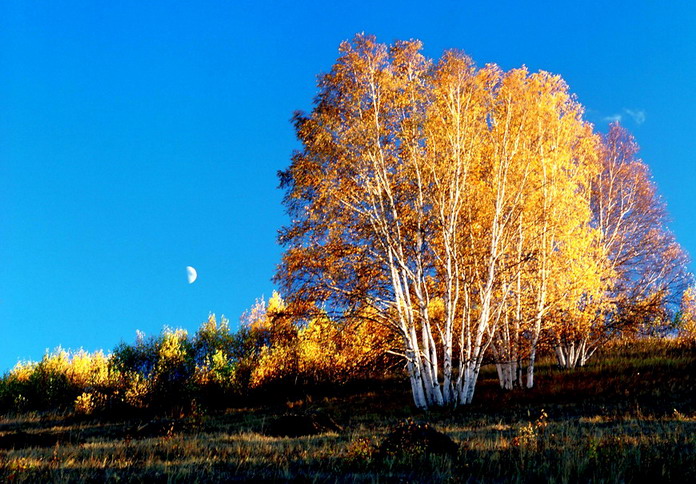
[
  {"x": 613, "y": 118},
  {"x": 637, "y": 115}
]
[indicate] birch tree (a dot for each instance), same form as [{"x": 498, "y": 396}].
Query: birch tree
[
  {"x": 357, "y": 192},
  {"x": 645, "y": 268},
  {"x": 552, "y": 230},
  {"x": 415, "y": 197}
]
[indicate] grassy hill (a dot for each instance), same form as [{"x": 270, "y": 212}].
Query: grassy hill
[{"x": 629, "y": 416}]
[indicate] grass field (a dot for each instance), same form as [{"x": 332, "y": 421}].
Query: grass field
[{"x": 629, "y": 416}]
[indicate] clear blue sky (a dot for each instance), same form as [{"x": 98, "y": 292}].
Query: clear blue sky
[{"x": 137, "y": 138}]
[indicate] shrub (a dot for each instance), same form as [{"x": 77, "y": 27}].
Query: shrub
[
  {"x": 15, "y": 389},
  {"x": 90, "y": 402},
  {"x": 325, "y": 351}
]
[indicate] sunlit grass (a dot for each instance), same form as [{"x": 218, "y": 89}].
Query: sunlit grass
[
  {"x": 576, "y": 426},
  {"x": 567, "y": 449}
]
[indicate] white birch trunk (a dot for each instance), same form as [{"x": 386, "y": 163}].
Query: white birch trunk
[{"x": 574, "y": 354}]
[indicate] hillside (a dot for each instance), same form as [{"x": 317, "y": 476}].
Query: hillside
[{"x": 629, "y": 416}]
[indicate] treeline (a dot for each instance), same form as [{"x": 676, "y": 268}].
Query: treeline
[
  {"x": 214, "y": 368},
  {"x": 272, "y": 353}
]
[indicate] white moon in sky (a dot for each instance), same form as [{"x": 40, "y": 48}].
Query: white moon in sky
[{"x": 191, "y": 274}]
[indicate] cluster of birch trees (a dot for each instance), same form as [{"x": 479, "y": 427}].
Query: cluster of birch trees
[{"x": 475, "y": 212}]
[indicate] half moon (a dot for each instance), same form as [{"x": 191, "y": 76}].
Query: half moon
[{"x": 191, "y": 274}]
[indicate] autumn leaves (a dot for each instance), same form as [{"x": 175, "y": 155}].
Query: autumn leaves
[{"x": 475, "y": 190}]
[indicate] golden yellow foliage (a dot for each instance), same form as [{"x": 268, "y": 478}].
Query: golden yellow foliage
[
  {"x": 137, "y": 390},
  {"x": 454, "y": 199},
  {"x": 687, "y": 326},
  {"x": 81, "y": 368},
  {"x": 275, "y": 363},
  {"x": 88, "y": 369},
  {"x": 22, "y": 371},
  {"x": 326, "y": 351},
  {"x": 89, "y": 402},
  {"x": 171, "y": 351}
]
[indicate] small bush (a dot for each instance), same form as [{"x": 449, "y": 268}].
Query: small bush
[
  {"x": 362, "y": 449},
  {"x": 89, "y": 403}
]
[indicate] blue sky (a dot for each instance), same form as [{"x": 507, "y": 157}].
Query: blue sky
[{"x": 137, "y": 138}]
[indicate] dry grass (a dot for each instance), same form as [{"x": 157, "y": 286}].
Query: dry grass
[{"x": 631, "y": 418}]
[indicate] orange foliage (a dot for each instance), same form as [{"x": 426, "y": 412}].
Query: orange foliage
[{"x": 326, "y": 351}]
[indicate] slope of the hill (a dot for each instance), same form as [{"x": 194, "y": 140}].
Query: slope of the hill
[{"x": 629, "y": 416}]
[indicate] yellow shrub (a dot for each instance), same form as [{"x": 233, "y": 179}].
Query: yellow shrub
[
  {"x": 81, "y": 368},
  {"x": 326, "y": 351},
  {"x": 136, "y": 391},
  {"x": 88, "y": 369},
  {"x": 89, "y": 402},
  {"x": 687, "y": 330},
  {"x": 22, "y": 371},
  {"x": 318, "y": 355},
  {"x": 274, "y": 363},
  {"x": 57, "y": 362},
  {"x": 171, "y": 350}
]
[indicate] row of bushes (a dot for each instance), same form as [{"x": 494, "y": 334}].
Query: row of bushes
[{"x": 215, "y": 367}]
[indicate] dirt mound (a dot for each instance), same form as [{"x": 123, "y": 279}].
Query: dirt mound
[
  {"x": 296, "y": 425},
  {"x": 414, "y": 438}
]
